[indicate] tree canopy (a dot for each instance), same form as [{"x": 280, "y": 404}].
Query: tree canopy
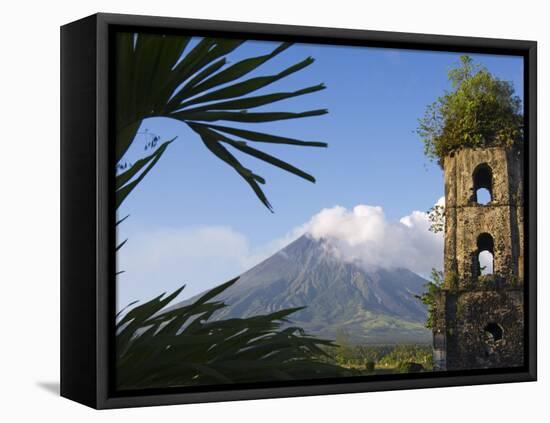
[{"x": 480, "y": 110}]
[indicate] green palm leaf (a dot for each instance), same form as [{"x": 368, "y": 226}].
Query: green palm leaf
[
  {"x": 253, "y": 102},
  {"x": 244, "y": 116},
  {"x": 246, "y": 87},
  {"x": 144, "y": 165},
  {"x": 261, "y": 137},
  {"x": 230, "y": 74},
  {"x": 160, "y": 347},
  {"x": 169, "y": 76},
  {"x": 243, "y": 147},
  {"x": 251, "y": 179}
]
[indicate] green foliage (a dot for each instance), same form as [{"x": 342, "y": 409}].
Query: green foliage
[
  {"x": 401, "y": 356},
  {"x": 163, "y": 76},
  {"x": 433, "y": 287},
  {"x": 375, "y": 358},
  {"x": 410, "y": 367},
  {"x": 514, "y": 281},
  {"x": 159, "y": 76},
  {"x": 127, "y": 181},
  {"x": 344, "y": 350},
  {"x": 161, "y": 347},
  {"x": 480, "y": 110},
  {"x": 451, "y": 281},
  {"x": 369, "y": 366}
]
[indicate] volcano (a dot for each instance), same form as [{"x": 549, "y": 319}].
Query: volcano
[{"x": 371, "y": 306}]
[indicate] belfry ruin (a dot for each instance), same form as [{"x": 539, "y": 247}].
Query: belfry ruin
[{"x": 479, "y": 318}]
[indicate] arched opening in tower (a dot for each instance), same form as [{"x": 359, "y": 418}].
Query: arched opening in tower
[
  {"x": 493, "y": 332},
  {"x": 483, "y": 184},
  {"x": 485, "y": 254}
]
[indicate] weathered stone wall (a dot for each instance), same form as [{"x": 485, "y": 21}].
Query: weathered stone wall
[
  {"x": 467, "y": 316},
  {"x": 502, "y": 218},
  {"x": 507, "y": 169},
  {"x": 465, "y": 311}
]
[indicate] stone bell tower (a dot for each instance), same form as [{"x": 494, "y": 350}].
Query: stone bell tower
[{"x": 478, "y": 319}]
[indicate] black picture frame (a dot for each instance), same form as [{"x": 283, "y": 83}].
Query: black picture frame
[{"x": 87, "y": 214}]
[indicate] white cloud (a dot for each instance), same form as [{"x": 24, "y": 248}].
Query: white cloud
[
  {"x": 200, "y": 257},
  {"x": 205, "y": 256},
  {"x": 165, "y": 259},
  {"x": 486, "y": 262},
  {"x": 366, "y": 236}
]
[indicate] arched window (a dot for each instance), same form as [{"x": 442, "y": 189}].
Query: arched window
[
  {"x": 483, "y": 184},
  {"x": 485, "y": 254},
  {"x": 493, "y": 332}
]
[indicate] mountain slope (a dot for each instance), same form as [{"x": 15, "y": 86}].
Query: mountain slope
[{"x": 374, "y": 306}]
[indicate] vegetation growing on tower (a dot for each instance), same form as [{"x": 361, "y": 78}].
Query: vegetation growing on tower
[
  {"x": 481, "y": 110},
  {"x": 428, "y": 298}
]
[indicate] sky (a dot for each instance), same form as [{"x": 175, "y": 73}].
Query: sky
[{"x": 194, "y": 221}]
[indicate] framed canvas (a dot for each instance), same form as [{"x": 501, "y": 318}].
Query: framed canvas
[{"x": 256, "y": 211}]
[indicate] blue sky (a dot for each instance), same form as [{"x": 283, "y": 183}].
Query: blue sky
[{"x": 374, "y": 97}]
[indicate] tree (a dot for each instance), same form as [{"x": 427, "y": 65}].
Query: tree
[
  {"x": 165, "y": 76},
  {"x": 345, "y": 349},
  {"x": 428, "y": 298},
  {"x": 481, "y": 110}
]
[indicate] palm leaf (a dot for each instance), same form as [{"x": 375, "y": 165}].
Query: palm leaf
[
  {"x": 244, "y": 116},
  {"x": 230, "y": 74},
  {"x": 211, "y": 138},
  {"x": 242, "y": 146},
  {"x": 119, "y": 246},
  {"x": 118, "y": 222},
  {"x": 158, "y": 347},
  {"x": 252, "y": 179},
  {"x": 246, "y": 87},
  {"x": 253, "y": 102},
  {"x": 159, "y": 75},
  {"x": 123, "y": 187},
  {"x": 261, "y": 137}
]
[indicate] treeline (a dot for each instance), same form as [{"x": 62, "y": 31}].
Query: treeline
[{"x": 404, "y": 358}]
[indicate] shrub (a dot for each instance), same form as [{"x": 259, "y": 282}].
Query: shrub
[
  {"x": 410, "y": 367},
  {"x": 428, "y": 298},
  {"x": 481, "y": 110},
  {"x": 369, "y": 366}
]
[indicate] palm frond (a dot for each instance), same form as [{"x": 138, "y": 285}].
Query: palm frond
[
  {"x": 168, "y": 76},
  {"x": 127, "y": 181},
  {"x": 183, "y": 346},
  {"x": 261, "y": 137},
  {"x": 223, "y": 154},
  {"x": 243, "y": 147}
]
